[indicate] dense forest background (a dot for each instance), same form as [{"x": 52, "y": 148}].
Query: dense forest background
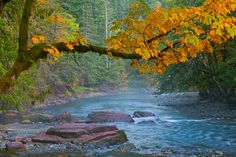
[{"x": 212, "y": 74}]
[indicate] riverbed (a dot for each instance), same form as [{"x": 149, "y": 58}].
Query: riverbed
[{"x": 169, "y": 131}]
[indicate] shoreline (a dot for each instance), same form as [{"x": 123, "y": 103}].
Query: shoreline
[
  {"x": 191, "y": 105},
  {"x": 57, "y": 100},
  {"x": 60, "y": 99}
]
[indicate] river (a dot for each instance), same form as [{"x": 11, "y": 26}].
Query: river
[{"x": 172, "y": 130}]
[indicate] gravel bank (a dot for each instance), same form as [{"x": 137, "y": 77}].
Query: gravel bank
[{"x": 191, "y": 105}]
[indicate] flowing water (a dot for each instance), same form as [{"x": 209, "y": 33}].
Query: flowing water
[{"x": 171, "y": 130}]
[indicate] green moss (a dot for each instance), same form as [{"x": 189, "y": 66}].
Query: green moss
[
  {"x": 122, "y": 136},
  {"x": 80, "y": 89}
]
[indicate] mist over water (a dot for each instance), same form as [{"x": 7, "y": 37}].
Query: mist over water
[{"x": 169, "y": 129}]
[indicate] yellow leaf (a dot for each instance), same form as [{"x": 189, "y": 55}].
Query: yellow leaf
[
  {"x": 138, "y": 51},
  {"x": 116, "y": 46},
  {"x": 69, "y": 45},
  {"x": 60, "y": 19},
  {"x": 35, "y": 40},
  {"x": 41, "y": 2},
  {"x": 53, "y": 52}
]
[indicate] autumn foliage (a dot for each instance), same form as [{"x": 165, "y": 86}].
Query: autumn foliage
[
  {"x": 162, "y": 37},
  {"x": 169, "y": 36}
]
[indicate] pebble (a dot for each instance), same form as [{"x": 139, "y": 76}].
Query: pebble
[
  {"x": 26, "y": 122},
  {"x": 219, "y": 153}
]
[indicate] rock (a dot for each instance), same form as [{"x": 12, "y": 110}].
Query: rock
[
  {"x": 81, "y": 120},
  {"x": 18, "y": 139},
  {"x": 97, "y": 135},
  {"x": 42, "y": 137},
  {"x": 138, "y": 114},
  {"x": 16, "y": 147},
  {"x": 64, "y": 117},
  {"x": 3, "y": 129},
  {"x": 118, "y": 138},
  {"x": 26, "y": 122},
  {"x": 73, "y": 130},
  {"x": 24, "y": 140},
  {"x": 219, "y": 153},
  {"x": 37, "y": 117},
  {"x": 11, "y": 114},
  {"x": 67, "y": 131},
  {"x": 109, "y": 116},
  {"x": 127, "y": 147}
]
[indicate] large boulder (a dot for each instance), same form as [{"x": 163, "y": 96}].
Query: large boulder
[
  {"x": 139, "y": 114},
  {"x": 109, "y": 116},
  {"x": 97, "y": 135},
  {"x": 73, "y": 130},
  {"x": 16, "y": 147}
]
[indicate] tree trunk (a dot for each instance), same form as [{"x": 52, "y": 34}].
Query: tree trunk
[{"x": 2, "y": 4}]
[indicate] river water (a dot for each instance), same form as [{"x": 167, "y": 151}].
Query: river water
[{"x": 171, "y": 130}]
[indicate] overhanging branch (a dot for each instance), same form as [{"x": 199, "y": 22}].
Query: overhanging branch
[{"x": 39, "y": 52}]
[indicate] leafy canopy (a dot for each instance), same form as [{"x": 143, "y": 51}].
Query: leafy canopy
[
  {"x": 169, "y": 36},
  {"x": 165, "y": 36},
  {"x": 153, "y": 39}
]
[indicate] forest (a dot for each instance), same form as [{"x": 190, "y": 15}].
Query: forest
[{"x": 57, "y": 56}]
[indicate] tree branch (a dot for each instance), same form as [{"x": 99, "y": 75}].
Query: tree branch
[
  {"x": 39, "y": 52},
  {"x": 160, "y": 35},
  {"x": 24, "y": 26},
  {"x": 24, "y": 58}
]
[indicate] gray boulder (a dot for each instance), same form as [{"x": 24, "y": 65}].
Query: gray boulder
[
  {"x": 109, "y": 116},
  {"x": 139, "y": 114}
]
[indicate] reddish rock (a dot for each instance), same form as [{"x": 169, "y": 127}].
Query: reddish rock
[
  {"x": 109, "y": 116},
  {"x": 115, "y": 139},
  {"x": 42, "y": 137},
  {"x": 139, "y": 114},
  {"x": 11, "y": 114},
  {"x": 65, "y": 117},
  {"x": 75, "y": 130},
  {"x": 26, "y": 140},
  {"x": 66, "y": 133},
  {"x": 16, "y": 147},
  {"x": 18, "y": 139},
  {"x": 95, "y": 138},
  {"x": 82, "y": 133}
]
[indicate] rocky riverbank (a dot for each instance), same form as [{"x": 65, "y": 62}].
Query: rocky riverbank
[
  {"x": 35, "y": 133},
  {"x": 191, "y": 105}
]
